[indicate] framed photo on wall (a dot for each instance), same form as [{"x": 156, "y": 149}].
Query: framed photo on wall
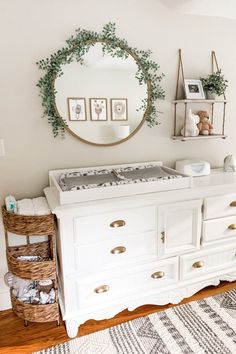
[
  {"x": 98, "y": 109},
  {"x": 194, "y": 90},
  {"x": 119, "y": 109},
  {"x": 77, "y": 109}
]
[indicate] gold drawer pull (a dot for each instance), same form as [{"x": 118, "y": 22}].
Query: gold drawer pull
[
  {"x": 102, "y": 289},
  {"x": 232, "y": 227},
  {"x": 199, "y": 264},
  {"x": 158, "y": 275},
  {"x": 118, "y": 250},
  {"x": 117, "y": 223},
  {"x": 233, "y": 204}
]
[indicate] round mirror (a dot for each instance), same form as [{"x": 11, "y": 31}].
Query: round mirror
[
  {"x": 99, "y": 88},
  {"x": 101, "y": 100}
]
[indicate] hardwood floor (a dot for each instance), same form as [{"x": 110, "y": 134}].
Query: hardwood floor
[{"x": 17, "y": 339}]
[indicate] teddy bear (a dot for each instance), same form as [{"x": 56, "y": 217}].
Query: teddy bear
[{"x": 205, "y": 127}]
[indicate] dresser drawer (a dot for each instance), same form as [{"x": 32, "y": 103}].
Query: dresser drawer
[
  {"x": 219, "y": 229},
  {"x": 94, "y": 228},
  {"x": 104, "y": 290},
  {"x": 220, "y": 206},
  {"x": 116, "y": 252},
  {"x": 207, "y": 261}
]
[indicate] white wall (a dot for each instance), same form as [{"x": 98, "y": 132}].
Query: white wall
[
  {"x": 214, "y": 8},
  {"x": 31, "y": 30}
]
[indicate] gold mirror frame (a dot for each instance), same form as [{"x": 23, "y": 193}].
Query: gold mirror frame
[
  {"x": 145, "y": 115},
  {"x": 76, "y": 47}
]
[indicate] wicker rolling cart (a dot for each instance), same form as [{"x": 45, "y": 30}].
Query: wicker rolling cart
[{"x": 30, "y": 226}]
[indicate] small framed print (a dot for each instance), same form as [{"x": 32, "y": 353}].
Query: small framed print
[
  {"x": 119, "y": 109},
  {"x": 77, "y": 109},
  {"x": 98, "y": 109},
  {"x": 194, "y": 89}
]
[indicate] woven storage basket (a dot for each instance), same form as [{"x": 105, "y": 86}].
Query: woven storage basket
[
  {"x": 28, "y": 225},
  {"x": 35, "y": 313},
  {"x": 24, "y": 225},
  {"x": 32, "y": 270}
]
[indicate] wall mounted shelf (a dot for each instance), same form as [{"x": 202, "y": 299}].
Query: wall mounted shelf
[
  {"x": 199, "y": 101},
  {"x": 199, "y": 137},
  {"x": 189, "y": 102}
]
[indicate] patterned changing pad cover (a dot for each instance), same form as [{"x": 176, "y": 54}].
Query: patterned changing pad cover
[{"x": 72, "y": 181}]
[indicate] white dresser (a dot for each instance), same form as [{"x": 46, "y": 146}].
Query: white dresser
[{"x": 147, "y": 248}]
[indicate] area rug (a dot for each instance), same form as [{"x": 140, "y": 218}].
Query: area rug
[{"x": 207, "y": 326}]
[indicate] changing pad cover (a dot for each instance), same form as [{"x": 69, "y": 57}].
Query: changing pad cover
[{"x": 113, "y": 177}]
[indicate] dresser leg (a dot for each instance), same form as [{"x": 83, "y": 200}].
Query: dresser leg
[{"x": 72, "y": 328}]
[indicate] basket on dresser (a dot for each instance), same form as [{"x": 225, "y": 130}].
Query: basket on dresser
[{"x": 31, "y": 226}]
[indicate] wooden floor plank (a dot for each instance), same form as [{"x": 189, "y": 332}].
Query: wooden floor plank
[{"x": 17, "y": 339}]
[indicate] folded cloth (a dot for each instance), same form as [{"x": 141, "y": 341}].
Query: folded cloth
[
  {"x": 41, "y": 206},
  {"x": 25, "y": 207}
]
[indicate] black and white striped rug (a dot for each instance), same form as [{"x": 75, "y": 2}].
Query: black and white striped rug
[{"x": 206, "y": 326}]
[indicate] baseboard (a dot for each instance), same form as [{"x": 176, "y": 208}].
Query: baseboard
[{"x": 5, "y": 300}]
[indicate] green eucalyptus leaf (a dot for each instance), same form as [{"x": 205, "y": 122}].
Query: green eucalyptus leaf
[{"x": 76, "y": 47}]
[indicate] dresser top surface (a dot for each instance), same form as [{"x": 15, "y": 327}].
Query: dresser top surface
[
  {"x": 217, "y": 183},
  {"x": 216, "y": 178}
]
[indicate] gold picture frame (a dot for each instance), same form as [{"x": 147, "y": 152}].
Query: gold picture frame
[
  {"x": 98, "y": 109},
  {"x": 119, "y": 109},
  {"x": 77, "y": 109}
]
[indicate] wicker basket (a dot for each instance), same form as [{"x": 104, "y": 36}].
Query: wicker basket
[
  {"x": 23, "y": 225},
  {"x": 32, "y": 270},
  {"x": 35, "y": 313},
  {"x": 28, "y": 225}
]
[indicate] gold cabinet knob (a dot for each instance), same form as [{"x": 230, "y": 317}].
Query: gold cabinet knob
[
  {"x": 118, "y": 250},
  {"x": 233, "y": 204},
  {"x": 117, "y": 223},
  {"x": 199, "y": 264},
  {"x": 102, "y": 289},
  {"x": 158, "y": 275},
  {"x": 232, "y": 227}
]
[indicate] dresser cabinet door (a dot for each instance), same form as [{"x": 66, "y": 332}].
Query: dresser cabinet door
[{"x": 179, "y": 228}]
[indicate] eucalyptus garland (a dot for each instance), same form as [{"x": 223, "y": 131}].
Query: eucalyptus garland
[{"x": 76, "y": 47}]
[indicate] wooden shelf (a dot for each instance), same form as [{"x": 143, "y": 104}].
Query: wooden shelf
[
  {"x": 199, "y": 137},
  {"x": 199, "y": 101},
  {"x": 181, "y": 104}
]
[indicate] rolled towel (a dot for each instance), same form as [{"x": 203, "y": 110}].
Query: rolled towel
[
  {"x": 25, "y": 207},
  {"x": 41, "y": 206}
]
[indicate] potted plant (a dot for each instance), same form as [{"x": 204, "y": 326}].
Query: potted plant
[{"x": 215, "y": 84}]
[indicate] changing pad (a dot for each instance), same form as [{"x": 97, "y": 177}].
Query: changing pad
[{"x": 111, "y": 177}]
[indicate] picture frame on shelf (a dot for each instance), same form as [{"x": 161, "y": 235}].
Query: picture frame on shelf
[
  {"x": 194, "y": 89},
  {"x": 119, "y": 109},
  {"x": 77, "y": 109},
  {"x": 98, "y": 109}
]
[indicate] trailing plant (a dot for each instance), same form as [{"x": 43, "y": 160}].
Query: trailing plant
[
  {"x": 76, "y": 47},
  {"x": 215, "y": 83}
]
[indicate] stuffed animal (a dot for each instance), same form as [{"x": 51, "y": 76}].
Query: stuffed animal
[
  {"x": 191, "y": 128},
  {"x": 205, "y": 127}
]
